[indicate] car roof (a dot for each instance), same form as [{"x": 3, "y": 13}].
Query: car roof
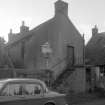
[{"x": 4, "y": 81}]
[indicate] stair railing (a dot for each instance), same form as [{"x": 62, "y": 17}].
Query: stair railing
[{"x": 62, "y": 62}]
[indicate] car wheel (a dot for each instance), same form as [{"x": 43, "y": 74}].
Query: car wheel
[{"x": 49, "y": 103}]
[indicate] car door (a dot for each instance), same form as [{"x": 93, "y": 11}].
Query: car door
[
  {"x": 33, "y": 93},
  {"x": 12, "y": 94},
  {"x": 33, "y": 89},
  {"x": 12, "y": 89}
]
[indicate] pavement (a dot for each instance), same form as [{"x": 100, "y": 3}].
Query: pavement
[{"x": 86, "y": 99}]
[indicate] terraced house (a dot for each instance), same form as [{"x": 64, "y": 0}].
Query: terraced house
[
  {"x": 95, "y": 58},
  {"x": 53, "y": 49}
]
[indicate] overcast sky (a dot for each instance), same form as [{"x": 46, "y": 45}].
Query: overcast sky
[{"x": 83, "y": 13}]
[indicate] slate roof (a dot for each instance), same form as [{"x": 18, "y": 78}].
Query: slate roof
[
  {"x": 59, "y": 20},
  {"x": 30, "y": 33},
  {"x": 53, "y": 23},
  {"x": 95, "y": 50}
]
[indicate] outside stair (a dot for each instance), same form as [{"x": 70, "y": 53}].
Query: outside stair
[{"x": 62, "y": 77}]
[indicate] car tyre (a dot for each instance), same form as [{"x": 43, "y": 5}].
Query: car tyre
[{"x": 49, "y": 103}]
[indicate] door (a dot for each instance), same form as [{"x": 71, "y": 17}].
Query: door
[{"x": 70, "y": 56}]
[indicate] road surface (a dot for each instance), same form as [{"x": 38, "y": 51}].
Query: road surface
[{"x": 95, "y": 102}]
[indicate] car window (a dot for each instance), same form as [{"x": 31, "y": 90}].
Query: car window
[
  {"x": 12, "y": 89},
  {"x": 33, "y": 89},
  {"x": 15, "y": 89}
]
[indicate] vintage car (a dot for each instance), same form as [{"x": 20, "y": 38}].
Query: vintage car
[{"x": 24, "y": 91}]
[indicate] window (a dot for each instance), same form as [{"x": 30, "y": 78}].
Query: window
[
  {"x": 22, "y": 89},
  {"x": 12, "y": 89},
  {"x": 70, "y": 55},
  {"x": 33, "y": 89}
]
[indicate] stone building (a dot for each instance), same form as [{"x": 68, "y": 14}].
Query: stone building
[
  {"x": 53, "y": 48},
  {"x": 95, "y": 57},
  {"x": 2, "y": 52}
]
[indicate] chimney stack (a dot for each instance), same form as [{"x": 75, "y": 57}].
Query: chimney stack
[
  {"x": 94, "y": 30},
  {"x": 10, "y": 35},
  {"x": 61, "y": 7},
  {"x": 10, "y": 31},
  {"x": 24, "y": 28}
]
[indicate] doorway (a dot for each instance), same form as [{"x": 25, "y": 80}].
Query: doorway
[{"x": 70, "y": 56}]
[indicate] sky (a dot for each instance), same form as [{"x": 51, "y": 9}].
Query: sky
[{"x": 84, "y": 14}]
